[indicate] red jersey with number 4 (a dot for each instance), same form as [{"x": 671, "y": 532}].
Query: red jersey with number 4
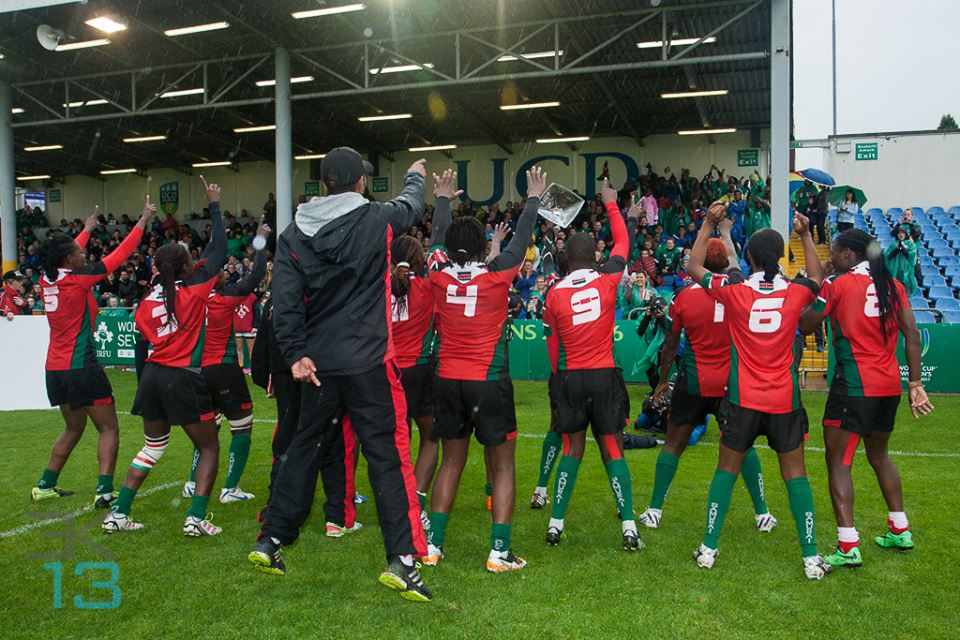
[
  {"x": 866, "y": 360},
  {"x": 705, "y": 361},
  {"x": 580, "y": 311},
  {"x": 413, "y": 324},
  {"x": 219, "y": 344},
  {"x": 762, "y": 318},
  {"x": 471, "y": 309},
  {"x": 177, "y": 342}
]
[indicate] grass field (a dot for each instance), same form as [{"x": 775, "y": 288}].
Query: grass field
[{"x": 587, "y": 587}]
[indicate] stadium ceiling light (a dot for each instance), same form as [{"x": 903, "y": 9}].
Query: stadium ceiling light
[
  {"x": 82, "y": 103},
  {"x": 656, "y": 44},
  {"x": 146, "y": 139},
  {"x": 439, "y": 147},
  {"x": 181, "y": 92},
  {"x": 43, "y": 177},
  {"x": 106, "y": 24},
  {"x": 402, "y": 67},
  {"x": 704, "y": 132},
  {"x": 694, "y": 94},
  {"x": 45, "y": 147},
  {"x": 310, "y": 156},
  {"x": 328, "y": 11},
  {"x": 528, "y": 105},
  {"x": 199, "y": 165},
  {"x": 255, "y": 129},
  {"x": 568, "y": 139},
  {"x": 110, "y": 172},
  {"x": 395, "y": 116},
  {"x": 293, "y": 80},
  {"x": 83, "y": 44},
  {"x": 16, "y": 110},
  {"x": 529, "y": 56},
  {"x": 199, "y": 28}
]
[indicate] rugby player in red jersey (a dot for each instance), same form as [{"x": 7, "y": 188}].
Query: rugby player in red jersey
[
  {"x": 763, "y": 393},
  {"x": 867, "y": 308},
  {"x": 172, "y": 390},
  {"x": 225, "y": 380},
  {"x": 474, "y": 391},
  {"x": 704, "y": 367},
  {"x": 75, "y": 380}
]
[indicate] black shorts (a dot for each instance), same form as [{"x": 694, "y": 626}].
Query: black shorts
[
  {"x": 689, "y": 410},
  {"x": 590, "y": 396},
  {"x": 784, "y": 431},
  {"x": 418, "y": 382},
  {"x": 227, "y": 387},
  {"x": 862, "y": 416},
  {"x": 79, "y": 388},
  {"x": 175, "y": 395},
  {"x": 481, "y": 406}
]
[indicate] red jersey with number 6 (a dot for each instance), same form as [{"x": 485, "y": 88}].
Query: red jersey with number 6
[
  {"x": 413, "y": 324},
  {"x": 471, "y": 309},
  {"x": 865, "y": 357},
  {"x": 763, "y": 318}
]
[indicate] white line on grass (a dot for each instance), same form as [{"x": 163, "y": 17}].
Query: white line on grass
[{"x": 79, "y": 512}]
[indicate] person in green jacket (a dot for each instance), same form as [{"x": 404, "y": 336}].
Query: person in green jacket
[
  {"x": 758, "y": 215},
  {"x": 901, "y": 258},
  {"x": 634, "y": 293}
]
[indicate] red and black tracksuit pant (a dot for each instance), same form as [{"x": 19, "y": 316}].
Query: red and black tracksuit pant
[{"x": 376, "y": 404}]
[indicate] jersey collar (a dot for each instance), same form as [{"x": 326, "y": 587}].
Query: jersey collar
[{"x": 862, "y": 269}]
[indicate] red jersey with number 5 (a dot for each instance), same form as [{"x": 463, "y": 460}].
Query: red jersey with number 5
[
  {"x": 580, "y": 311},
  {"x": 471, "y": 309},
  {"x": 865, "y": 357},
  {"x": 705, "y": 361},
  {"x": 763, "y": 318},
  {"x": 413, "y": 324}
]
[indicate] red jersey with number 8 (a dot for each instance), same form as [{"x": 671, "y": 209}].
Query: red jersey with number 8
[
  {"x": 762, "y": 317},
  {"x": 580, "y": 311}
]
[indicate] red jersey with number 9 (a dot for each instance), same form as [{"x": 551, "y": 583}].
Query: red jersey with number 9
[
  {"x": 762, "y": 318},
  {"x": 471, "y": 314},
  {"x": 580, "y": 311}
]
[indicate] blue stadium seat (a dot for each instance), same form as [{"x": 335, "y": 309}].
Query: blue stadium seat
[
  {"x": 894, "y": 212},
  {"x": 936, "y": 293},
  {"x": 952, "y": 304},
  {"x": 924, "y": 317},
  {"x": 917, "y": 301},
  {"x": 933, "y": 210},
  {"x": 952, "y": 272},
  {"x": 951, "y": 316},
  {"x": 937, "y": 243},
  {"x": 954, "y": 210},
  {"x": 933, "y": 280},
  {"x": 946, "y": 261}
]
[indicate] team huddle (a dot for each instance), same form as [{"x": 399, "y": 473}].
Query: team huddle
[{"x": 372, "y": 334}]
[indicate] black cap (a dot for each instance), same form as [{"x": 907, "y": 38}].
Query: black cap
[
  {"x": 11, "y": 275},
  {"x": 342, "y": 167}
]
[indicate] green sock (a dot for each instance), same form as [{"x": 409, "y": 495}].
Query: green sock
[
  {"x": 500, "y": 536},
  {"x": 438, "y": 528},
  {"x": 198, "y": 506},
  {"x": 563, "y": 485},
  {"x": 193, "y": 465},
  {"x": 801, "y": 504},
  {"x": 752, "y": 474},
  {"x": 239, "y": 452},
  {"x": 718, "y": 501},
  {"x": 548, "y": 456},
  {"x": 124, "y": 501},
  {"x": 422, "y": 497},
  {"x": 49, "y": 479},
  {"x": 104, "y": 485},
  {"x": 488, "y": 488},
  {"x": 622, "y": 486},
  {"x": 666, "y": 468}
]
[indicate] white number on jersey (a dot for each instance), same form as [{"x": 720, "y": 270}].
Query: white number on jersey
[
  {"x": 164, "y": 328},
  {"x": 469, "y": 300},
  {"x": 764, "y": 317},
  {"x": 399, "y": 315},
  {"x": 871, "y": 307},
  {"x": 50, "y": 300},
  {"x": 585, "y": 305},
  {"x": 717, "y": 313}
]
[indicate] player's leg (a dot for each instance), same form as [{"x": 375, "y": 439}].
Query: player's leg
[
  {"x": 549, "y": 454},
  {"x": 678, "y": 435},
  {"x": 104, "y": 419},
  {"x": 75, "y": 421},
  {"x": 573, "y": 445},
  {"x": 488, "y": 485},
  {"x": 203, "y": 434},
  {"x": 752, "y": 474},
  {"x": 898, "y": 535},
  {"x": 444, "y": 492},
  {"x": 840, "y": 447},
  {"x": 428, "y": 455},
  {"x": 156, "y": 436},
  {"x": 794, "y": 474},
  {"x": 501, "y": 557},
  {"x": 721, "y": 490},
  {"x": 241, "y": 429},
  {"x": 611, "y": 452}
]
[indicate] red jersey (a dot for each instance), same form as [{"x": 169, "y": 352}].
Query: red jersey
[
  {"x": 705, "y": 361},
  {"x": 177, "y": 342},
  {"x": 471, "y": 309},
  {"x": 71, "y": 309},
  {"x": 413, "y": 324},
  {"x": 243, "y": 314},
  {"x": 12, "y": 303},
  {"x": 229, "y": 311},
  {"x": 866, "y": 360},
  {"x": 762, "y": 319}
]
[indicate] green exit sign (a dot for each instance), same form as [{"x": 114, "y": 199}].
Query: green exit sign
[
  {"x": 311, "y": 188},
  {"x": 53, "y": 195},
  {"x": 867, "y": 151},
  {"x": 748, "y": 158},
  {"x": 380, "y": 184}
]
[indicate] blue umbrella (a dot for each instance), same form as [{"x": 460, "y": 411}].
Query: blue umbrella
[{"x": 818, "y": 177}]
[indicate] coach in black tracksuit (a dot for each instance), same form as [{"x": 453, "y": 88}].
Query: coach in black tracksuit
[{"x": 331, "y": 296}]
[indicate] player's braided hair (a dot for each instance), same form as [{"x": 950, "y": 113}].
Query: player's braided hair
[
  {"x": 406, "y": 257},
  {"x": 53, "y": 252},
  {"x": 866, "y": 248},
  {"x": 465, "y": 240},
  {"x": 170, "y": 260},
  {"x": 766, "y": 249}
]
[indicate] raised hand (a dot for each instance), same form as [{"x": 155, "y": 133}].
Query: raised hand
[
  {"x": 725, "y": 226},
  {"x": 149, "y": 210},
  {"x": 500, "y": 232},
  {"x": 263, "y": 229},
  {"x": 445, "y": 185},
  {"x": 716, "y": 213},
  {"x": 92, "y": 220},
  {"x": 212, "y": 189},
  {"x": 419, "y": 167},
  {"x": 536, "y": 182},
  {"x": 607, "y": 193},
  {"x": 635, "y": 211},
  {"x": 801, "y": 224}
]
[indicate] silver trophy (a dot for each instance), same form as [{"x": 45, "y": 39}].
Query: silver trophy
[{"x": 559, "y": 205}]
